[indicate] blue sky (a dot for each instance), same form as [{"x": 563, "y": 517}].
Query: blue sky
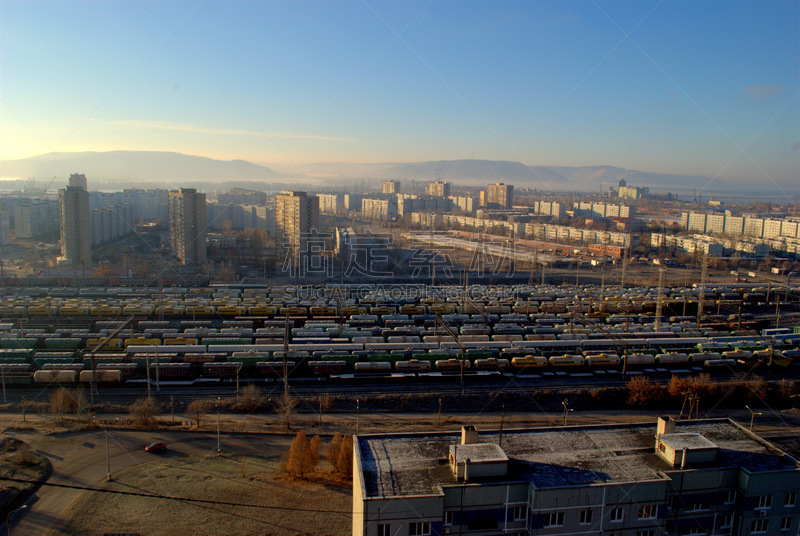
[{"x": 708, "y": 88}]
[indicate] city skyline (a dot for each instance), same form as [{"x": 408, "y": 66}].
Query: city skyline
[{"x": 681, "y": 87}]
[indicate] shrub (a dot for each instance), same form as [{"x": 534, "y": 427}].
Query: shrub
[
  {"x": 642, "y": 392},
  {"x": 197, "y": 409},
  {"x": 144, "y": 411}
]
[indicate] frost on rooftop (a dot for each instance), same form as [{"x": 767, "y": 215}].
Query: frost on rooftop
[{"x": 416, "y": 464}]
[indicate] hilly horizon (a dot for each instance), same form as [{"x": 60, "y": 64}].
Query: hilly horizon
[{"x": 143, "y": 168}]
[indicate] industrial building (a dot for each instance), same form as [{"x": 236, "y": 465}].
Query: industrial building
[{"x": 710, "y": 477}]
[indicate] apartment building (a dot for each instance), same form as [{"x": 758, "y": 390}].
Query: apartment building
[
  {"x": 710, "y": 477},
  {"x": 188, "y": 225}
]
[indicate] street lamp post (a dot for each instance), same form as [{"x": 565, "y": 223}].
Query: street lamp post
[
  {"x": 108, "y": 459},
  {"x": 8, "y": 517},
  {"x": 752, "y": 416},
  {"x": 219, "y": 451},
  {"x": 566, "y": 410}
]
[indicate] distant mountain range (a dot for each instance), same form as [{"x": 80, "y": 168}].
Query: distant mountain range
[{"x": 117, "y": 169}]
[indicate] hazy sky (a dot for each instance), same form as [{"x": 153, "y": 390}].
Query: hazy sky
[{"x": 689, "y": 87}]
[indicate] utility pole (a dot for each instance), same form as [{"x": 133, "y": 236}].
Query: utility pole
[
  {"x": 286, "y": 334},
  {"x": 660, "y": 299},
  {"x": 702, "y": 291},
  {"x": 439, "y": 320}
]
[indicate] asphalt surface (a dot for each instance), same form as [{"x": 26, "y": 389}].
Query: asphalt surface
[{"x": 79, "y": 459}]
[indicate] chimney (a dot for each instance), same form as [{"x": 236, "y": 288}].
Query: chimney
[
  {"x": 666, "y": 425},
  {"x": 469, "y": 435}
]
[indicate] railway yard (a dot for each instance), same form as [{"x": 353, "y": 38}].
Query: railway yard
[{"x": 352, "y": 339}]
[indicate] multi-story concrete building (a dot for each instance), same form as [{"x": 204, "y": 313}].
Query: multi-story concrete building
[
  {"x": 753, "y": 227},
  {"x": 465, "y": 203},
  {"x": 500, "y": 194},
  {"x": 5, "y": 227},
  {"x": 331, "y": 203},
  {"x": 296, "y": 218},
  {"x": 76, "y": 248},
  {"x": 242, "y": 196},
  {"x": 188, "y": 225},
  {"x": 438, "y": 188},
  {"x": 111, "y": 223},
  {"x": 390, "y": 187},
  {"x": 36, "y": 217},
  {"x": 379, "y": 209},
  {"x": 696, "y": 222},
  {"x": 710, "y": 477}
]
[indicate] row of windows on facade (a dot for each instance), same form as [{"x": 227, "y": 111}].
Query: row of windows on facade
[
  {"x": 757, "y": 526},
  {"x": 644, "y": 512}
]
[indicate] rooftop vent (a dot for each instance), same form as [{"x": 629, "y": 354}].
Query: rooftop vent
[
  {"x": 686, "y": 449},
  {"x": 469, "y": 435}
]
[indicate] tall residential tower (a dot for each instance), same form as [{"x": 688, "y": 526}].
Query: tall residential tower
[
  {"x": 187, "y": 225},
  {"x": 296, "y": 216},
  {"x": 75, "y": 231}
]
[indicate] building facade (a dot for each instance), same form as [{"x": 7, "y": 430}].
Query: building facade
[
  {"x": 76, "y": 248},
  {"x": 710, "y": 477},
  {"x": 438, "y": 188},
  {"x": 390, "y": 187},
  {"x": 500, "y": 194},
  {"x": 296, "y": 218},
  {"x": 188, "y": 225}
]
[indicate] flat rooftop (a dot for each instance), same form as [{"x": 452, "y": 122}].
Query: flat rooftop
[{"x": 417, "y": 464}]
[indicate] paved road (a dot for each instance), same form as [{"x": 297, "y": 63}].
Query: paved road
[{"x": 79, "y": 459}]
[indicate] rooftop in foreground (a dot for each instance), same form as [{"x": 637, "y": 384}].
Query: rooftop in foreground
[{"x": 417, "y": 464}]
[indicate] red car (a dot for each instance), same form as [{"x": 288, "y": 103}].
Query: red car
[{"x": 156, "y": 447}]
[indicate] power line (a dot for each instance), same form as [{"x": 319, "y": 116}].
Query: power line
[{"x": 346, "y": 513}]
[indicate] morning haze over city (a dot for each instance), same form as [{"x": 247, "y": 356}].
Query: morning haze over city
[{"x": 400, "y": 268}]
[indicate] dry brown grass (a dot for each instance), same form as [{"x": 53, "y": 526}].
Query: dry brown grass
[
  {"x": 18, "y": 461},
  {"x": 318, "y": 504}
]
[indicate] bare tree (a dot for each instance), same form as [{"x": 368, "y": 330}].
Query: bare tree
[
  {"x": 62, "y": 402},
  {"x": 324, "y": 405},
  {"x": 144, "y": 411},
  {"x": 285, "y": 407},
  {"x": 198, "y": 409},
  {"x": 251, "y": 398}
]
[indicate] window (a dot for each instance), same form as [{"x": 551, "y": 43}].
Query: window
[
  {"x": 647, "y": 511},
  {"x": 646, "y": 533},
  {"x": 698, "y": 507},
  {"x": 786, "y": 523},
  {"x": 419, "y": 528},
  {"x": 384, "y": 529},
  {"x": 758, "y": 526},
  {"x": 791, "y": 499},
  {"x": 554, "y": 519},
  {"x": 448, "y": 518},
  {"x": 694, "y": 531},
  {"x": 617, "y": 514},
  {"x": 726, "y": 521},
  {"x": 731, "y": 498},
  {"x": 586, "y": 517},
  {"x": 764, "y": 501},
  {"x": 520, "y": 512}
]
